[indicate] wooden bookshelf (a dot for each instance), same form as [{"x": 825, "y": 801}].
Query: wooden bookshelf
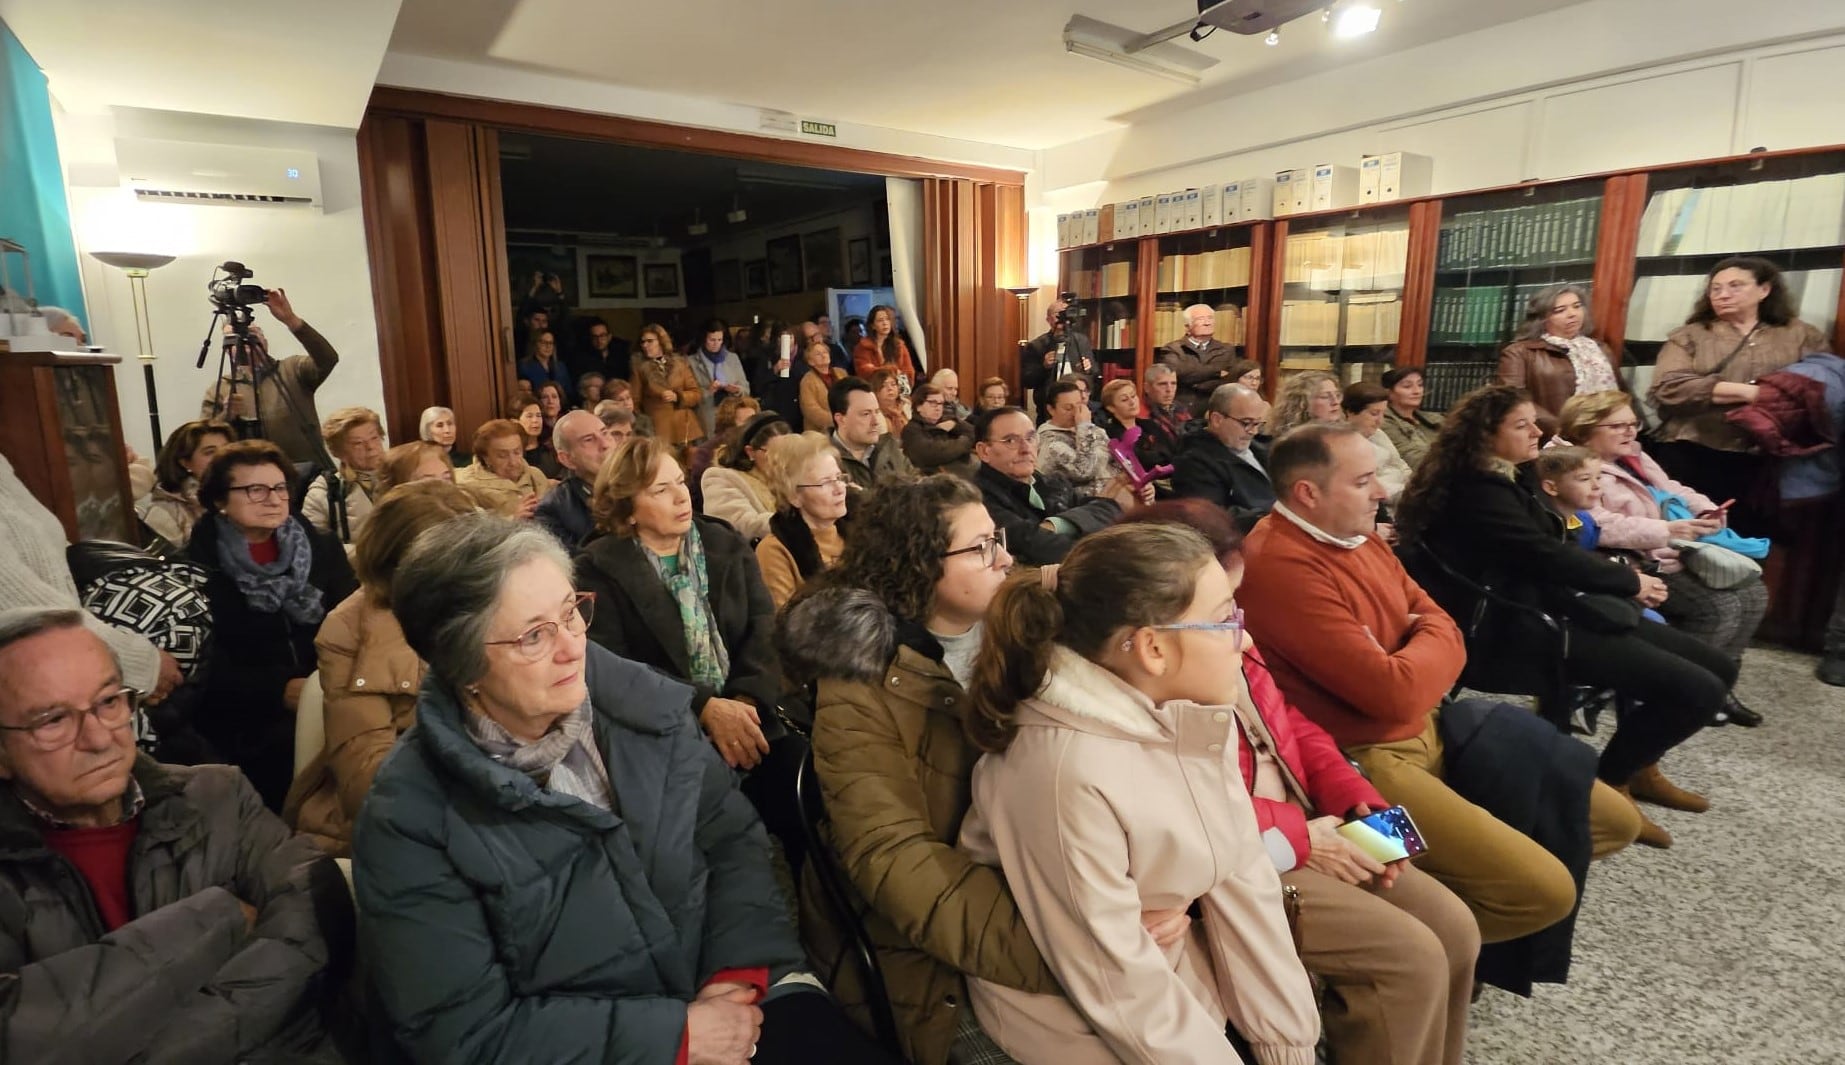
[{"x": 1523, "y": 227}]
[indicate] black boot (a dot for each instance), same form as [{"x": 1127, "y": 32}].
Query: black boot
[
  {"x": 1832, "y": 670},
  {"x": 1740, "y": 714}
]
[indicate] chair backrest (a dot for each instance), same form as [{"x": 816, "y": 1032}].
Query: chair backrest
[
  {"x": 305, "y": 473},
  {"x": 1547, "y": 677},
  {"x": 310, "y": 723},
  {"x": 833, "y": 884}
]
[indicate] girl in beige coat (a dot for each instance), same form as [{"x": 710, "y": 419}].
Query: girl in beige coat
[{"x": 1103, "y": 695}]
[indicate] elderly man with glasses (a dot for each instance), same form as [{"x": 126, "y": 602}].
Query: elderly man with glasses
[
  {"x": 1223, "y": 462},
  {"x": 1041, "y": 515},
  {"x": 148, "y": 912}
]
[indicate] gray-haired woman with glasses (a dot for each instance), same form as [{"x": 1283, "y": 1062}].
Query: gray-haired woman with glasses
[
  {"x": 272, "y": 578},
  {"x": 554, "y": 865}
]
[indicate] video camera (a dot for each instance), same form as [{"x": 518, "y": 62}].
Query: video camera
[
  {"x": 228, "y": 294},
  {"x": 1072, "y": 310}
]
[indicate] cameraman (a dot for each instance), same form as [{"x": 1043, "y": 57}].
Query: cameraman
[
  {"x": 1058, "y": 351},
  {"x": 283, "y": 393}
]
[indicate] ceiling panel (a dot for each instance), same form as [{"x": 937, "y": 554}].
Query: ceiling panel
[{"x": 970, "y": 69}]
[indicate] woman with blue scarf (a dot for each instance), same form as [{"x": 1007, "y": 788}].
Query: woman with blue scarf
[
  {"x": 272, "y": 578},
  {"x": 682, "y": 593}
]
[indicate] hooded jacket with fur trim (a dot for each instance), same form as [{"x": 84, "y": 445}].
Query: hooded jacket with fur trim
[
  {"x": 895, "y": 769},
  {"x": 1105, "y": 806}
]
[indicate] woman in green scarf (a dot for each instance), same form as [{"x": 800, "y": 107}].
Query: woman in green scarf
[{"x": 682, "y": 593}]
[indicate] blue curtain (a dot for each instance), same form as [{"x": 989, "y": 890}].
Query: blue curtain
[{"x": 33, "y": 209}]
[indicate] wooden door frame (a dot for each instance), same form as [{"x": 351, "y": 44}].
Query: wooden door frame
[
  {"x": 436, "y": 238},
  {"x": 589, "y": 125}
]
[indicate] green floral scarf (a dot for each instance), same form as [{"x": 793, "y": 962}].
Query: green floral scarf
[{"x": 690, "y": 586}]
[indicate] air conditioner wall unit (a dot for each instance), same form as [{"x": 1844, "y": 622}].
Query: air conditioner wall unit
[{"x": 218, "y": 174}]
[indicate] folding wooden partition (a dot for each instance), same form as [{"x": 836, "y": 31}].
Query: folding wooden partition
[{"x": 429, "y": 176}]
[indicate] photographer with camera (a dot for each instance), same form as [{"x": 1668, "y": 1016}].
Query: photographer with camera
[
  {"x": 260, "y": 395},
  {"x": 1058, "y": 351}
]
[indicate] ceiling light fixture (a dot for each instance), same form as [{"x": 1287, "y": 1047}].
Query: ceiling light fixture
[
  {"x": 1356, "y": 21},
  {"x": 1095, "y": 39},
  {"x": 1273, "y": 38},
  {"x": 698, "y": 228},
  {"x": 737, "y": 215},
  {"x": 1121, "y": 59}
]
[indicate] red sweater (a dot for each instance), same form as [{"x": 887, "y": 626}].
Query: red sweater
[
  {"x": 1334, "y": 627},
  {"x": 101, "y": 855}
]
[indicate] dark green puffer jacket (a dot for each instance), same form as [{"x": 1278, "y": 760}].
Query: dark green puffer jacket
[
  {"x": 504, "y": 922},
  {"x": 183, "y": 981}
]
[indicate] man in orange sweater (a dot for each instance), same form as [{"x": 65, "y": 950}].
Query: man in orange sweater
[{"x": 1366, "y": 654}]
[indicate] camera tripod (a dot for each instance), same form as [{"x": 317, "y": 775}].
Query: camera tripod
[{"x": 242, "y": 354}]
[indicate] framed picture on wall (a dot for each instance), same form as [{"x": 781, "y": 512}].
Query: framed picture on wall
[
  {"x": 755, "y": 279},
  {"x": 858, "y": 260},
  {"x": 785, "y": 265},
  {"x": 613, "y": 277},
  {"x": 662, "y": 280},
  {"x": 820, "y": 250},
  {"x": 727, "y": 281}
]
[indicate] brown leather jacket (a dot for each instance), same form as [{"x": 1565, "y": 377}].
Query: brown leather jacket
[
  {"x": 370, "y": 679},
  {"x": 1546, "y": 373}
]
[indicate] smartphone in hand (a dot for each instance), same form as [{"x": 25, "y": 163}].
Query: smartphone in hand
[{"x": 1387, "y": 835}]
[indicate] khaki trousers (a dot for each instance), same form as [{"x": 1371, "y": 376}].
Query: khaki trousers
[
  {"x": 1513, "y": 886},
  {"x": 1397, "y": 964}
]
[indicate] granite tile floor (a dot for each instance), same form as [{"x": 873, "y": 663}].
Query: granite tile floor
[{"x": 1730, "y": 947}]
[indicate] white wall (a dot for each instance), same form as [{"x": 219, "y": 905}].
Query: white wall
[
  {"x": 316, "y": 254},
  {"x": 525, "y": 86},
  {"x": 1604, "y": 85}
]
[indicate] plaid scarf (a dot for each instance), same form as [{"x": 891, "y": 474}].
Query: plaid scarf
[{"x": 564, "y": 760}]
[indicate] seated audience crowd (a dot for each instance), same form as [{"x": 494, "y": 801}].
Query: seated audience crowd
[{"x": 1089, "y": 764}]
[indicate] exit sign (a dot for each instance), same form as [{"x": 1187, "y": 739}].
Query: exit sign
[{"x": 819, "y": 129}]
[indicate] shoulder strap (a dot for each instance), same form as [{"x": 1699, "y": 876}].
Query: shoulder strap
[{"x": 1738, "y": 350}]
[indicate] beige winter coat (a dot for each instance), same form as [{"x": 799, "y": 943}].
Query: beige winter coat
[{"x": 1103, "y": 807}]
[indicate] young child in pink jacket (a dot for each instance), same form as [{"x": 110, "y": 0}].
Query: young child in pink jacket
[{"x": 1104, "y": 696}]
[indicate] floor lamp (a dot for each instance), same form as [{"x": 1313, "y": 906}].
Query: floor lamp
[
  {"x": 136, "y": 265},
  {"x": 1023, "y": 292}
]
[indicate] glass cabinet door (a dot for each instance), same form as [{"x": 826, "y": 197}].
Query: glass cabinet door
[
  {"x": 1210, "y": 267},
  {"x": 1105, "y": 279},
  {"x": 1342, "y": 293},
  {"x": 1789, "y": 210}
]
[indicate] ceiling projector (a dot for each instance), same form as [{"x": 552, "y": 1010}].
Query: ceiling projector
[{"x": 1251, "y": 16}]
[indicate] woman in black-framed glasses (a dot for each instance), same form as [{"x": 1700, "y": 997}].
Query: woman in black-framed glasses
[{"x": 271, "y": 579}]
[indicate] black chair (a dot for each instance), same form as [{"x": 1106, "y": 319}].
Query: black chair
[
  {"x": 1570, "y": 707},
  {"x": 838, "y": 899}
]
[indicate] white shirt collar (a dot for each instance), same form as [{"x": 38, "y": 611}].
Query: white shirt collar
[{"x": 1349, "y": 543}]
